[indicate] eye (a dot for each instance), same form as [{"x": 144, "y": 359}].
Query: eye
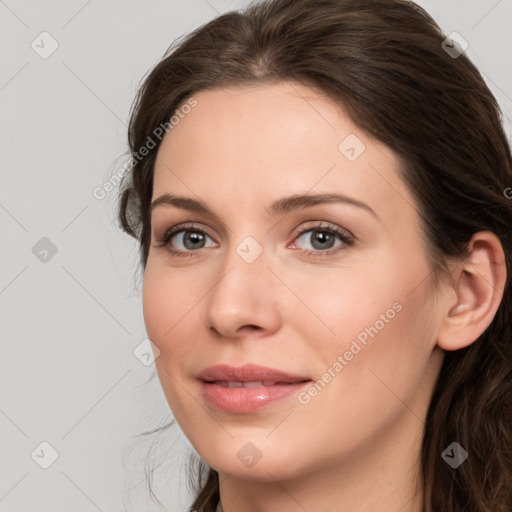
[
  {"x": 185, "y": 239},
  {"x": 323, "y": 239}
]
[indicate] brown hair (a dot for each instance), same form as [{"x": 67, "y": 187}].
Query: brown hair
[{"x": 384, "y": 62}]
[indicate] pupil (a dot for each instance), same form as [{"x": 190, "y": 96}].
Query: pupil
[
  {"x": 322, "y": 237},
  {"x": 194, "y": 238}
]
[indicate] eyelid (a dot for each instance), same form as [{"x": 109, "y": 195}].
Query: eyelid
[
  {"x": 299, "y": 230},
  {"x": 185, "y": 226},
  {"x": 320, "y": 224},
  {"x": 346, "y": 237}
]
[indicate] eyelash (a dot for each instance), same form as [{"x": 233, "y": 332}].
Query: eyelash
[{"x": 344, "y": 236}]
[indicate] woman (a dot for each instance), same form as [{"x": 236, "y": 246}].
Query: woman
[{"x": 370, "y": 374}]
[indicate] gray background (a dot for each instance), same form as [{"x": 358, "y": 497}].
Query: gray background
[{"x": 71, "y": 320}]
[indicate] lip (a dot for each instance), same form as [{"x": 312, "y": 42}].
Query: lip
[
  {"x": 280, "y": 385},
  {"x": 248, "y": 373}
]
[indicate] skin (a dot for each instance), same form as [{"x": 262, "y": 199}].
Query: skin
[{"x": 357, "y": 442}]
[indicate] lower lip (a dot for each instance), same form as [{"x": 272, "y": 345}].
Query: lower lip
[{"x": 243, "y": 400}]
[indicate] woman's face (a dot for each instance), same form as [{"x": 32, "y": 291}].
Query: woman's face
[{"x": 337, "y": 292}]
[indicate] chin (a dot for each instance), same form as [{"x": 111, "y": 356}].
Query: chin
[{"x": 250, "y": 460}]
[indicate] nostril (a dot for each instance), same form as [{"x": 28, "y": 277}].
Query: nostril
[{"x": 250, "y": 327}]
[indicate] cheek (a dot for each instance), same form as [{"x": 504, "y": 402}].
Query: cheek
[
  {"x": 379, "y": 318},
  {"x": 339, "y": 304},
  {"x": 168, "y": 308},
  {"x": 170, "y": 323},
  {"x": 383, "y": 358}
]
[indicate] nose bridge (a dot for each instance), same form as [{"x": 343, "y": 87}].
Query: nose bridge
[
  {"x": 243, "y": 272},
  {"x": 241, "y": 296},
  {"x": 246, "y": 258}
]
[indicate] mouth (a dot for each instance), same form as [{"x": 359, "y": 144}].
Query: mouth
[
  {"x": 247, "y": 388},
  {"x": 249, "y": 373},
  {"x": 251, "y": 384}
]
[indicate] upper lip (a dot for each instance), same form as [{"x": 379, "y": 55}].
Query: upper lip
[{"x": 247, "y": 373}]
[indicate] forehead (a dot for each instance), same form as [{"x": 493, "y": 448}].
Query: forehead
[{"x": 271, "y": 140}]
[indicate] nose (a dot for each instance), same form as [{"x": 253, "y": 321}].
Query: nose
[{"x": 244, "y": 300}]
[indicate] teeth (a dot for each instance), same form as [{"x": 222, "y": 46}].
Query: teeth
[{"x": 253, "y": 384}]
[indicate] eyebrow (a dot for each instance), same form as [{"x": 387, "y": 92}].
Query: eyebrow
[{"x": 280, "y": 206}]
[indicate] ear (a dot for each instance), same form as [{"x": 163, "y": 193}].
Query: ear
[{"x": 479, "y": 282}]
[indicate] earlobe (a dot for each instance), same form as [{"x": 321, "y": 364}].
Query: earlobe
[{"x": 479, "y": 282}]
